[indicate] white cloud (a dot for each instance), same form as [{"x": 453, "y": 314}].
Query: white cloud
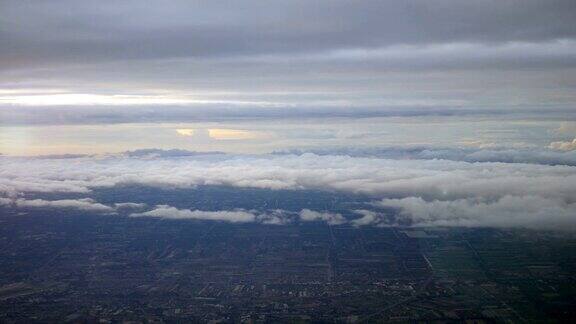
[
  {"x": 416, "y": 187},
  {"x": 509, "y": 211},
  {"x": 271, "y": 217},
  {"x": 430, "y": 179},
  {"x": 308, "y": 215},
  {"x": 85, "y": 204},
  {"x": 368, "y": 218},
  {"x": 7, "y": 201},
  {"x": 168, "y": 212}
]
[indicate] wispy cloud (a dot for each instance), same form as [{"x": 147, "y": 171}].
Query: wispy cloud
[
  {"x": 308, "y": 215},
  {"x": 163, "y": 211},
  {"x": 84, "y": 204}
]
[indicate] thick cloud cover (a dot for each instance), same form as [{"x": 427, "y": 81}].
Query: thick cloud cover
[
  {"x": 509, "y": 211},
  {"x": 426, "y": 192},
  {"x": 430, "y": 179},
  {"x": 348, "y": 57},
  {"x": 105, "y": 30}
]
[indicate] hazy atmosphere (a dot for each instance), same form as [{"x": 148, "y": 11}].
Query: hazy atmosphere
[{"x": 387, "y": 116}]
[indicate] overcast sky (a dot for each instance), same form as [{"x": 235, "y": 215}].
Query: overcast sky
[
  {"x": 377, "y": 53},
  {"x": 108, "y": 62}
]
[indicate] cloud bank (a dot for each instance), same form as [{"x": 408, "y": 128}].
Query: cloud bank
[
  {"x": 560, "y": 153},
  {"x": 509, "y": 211},
  {"x": 430, "y": 179},
  {"x": 419, "y": 191}
]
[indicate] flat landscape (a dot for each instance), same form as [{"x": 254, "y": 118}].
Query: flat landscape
[{"x": 114, "y": 268}]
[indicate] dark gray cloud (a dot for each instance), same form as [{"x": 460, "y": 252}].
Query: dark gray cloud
[{"x": 103, "y": 30}]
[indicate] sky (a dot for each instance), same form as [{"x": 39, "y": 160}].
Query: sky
[
  {"x": 485, "y": 87},
  {"x": 74, "y": 73}
]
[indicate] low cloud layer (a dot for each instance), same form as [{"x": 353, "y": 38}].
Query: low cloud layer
[
  {"x": 308, "y": 215},
  {"x": 430, "y": 179},
  {"x": 418, "y": 191},
  {"x": 164, "y": 211},
  {"x": 270, "y": 217},
  {"x": 85, "y": 204},
  {"x": 560, "y": 153},
  {"x": 509, "y": 211}
]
